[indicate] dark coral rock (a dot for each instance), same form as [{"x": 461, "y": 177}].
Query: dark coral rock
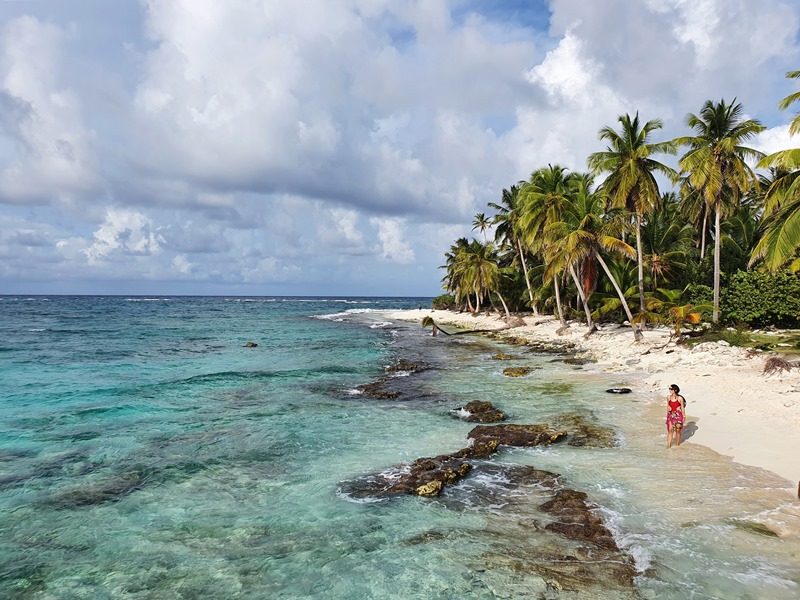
[
  {"x": 503, "y": 356},
  {"x": 516, "y": 371},
  {"x": 483, "y": 412},
  {"x": 403, "y": 365},
  {"x": 377, "y": 390},
  {"x": 516, "y": 435},
  {"x": 576, "y": 520}
]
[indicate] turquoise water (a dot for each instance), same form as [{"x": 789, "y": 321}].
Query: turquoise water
[{"x": 147, "y": 453}]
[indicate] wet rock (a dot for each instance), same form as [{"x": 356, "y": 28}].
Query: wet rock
[
  {"x": 483, "y": 412},
  {"x": 516, "y": 371},
  {"x": 377, "y": 390},
  {"x": 579, "y": 360},
  {"x": 503, "y": 356},
  {"x": 423, "y": 477},
  {"x": 404, "y": 365},
  {"x": 251, "y": 345},
  {"x": 516, "y": 435}
]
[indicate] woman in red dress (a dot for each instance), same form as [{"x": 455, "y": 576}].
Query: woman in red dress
[{"x": 676, "y": 408}]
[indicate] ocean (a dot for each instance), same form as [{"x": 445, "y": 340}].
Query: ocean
[{"x": 148, "y": 452}]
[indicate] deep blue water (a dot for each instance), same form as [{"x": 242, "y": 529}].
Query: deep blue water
[{"x": 146, "y": 452}]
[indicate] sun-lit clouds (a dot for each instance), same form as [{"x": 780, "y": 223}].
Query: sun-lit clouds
[
  {"x": 42, "y": 118},
  {"x": 256, "y": 145},
  {"x": 775, "y": 139},
  {"x": 391, "y": 233},
  {"x": 126, "y": 233}
]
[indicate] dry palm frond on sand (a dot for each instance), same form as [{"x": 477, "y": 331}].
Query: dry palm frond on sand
[{"x": 779, "y": 365}]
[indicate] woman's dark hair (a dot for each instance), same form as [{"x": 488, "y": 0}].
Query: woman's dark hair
[{"x": 676, "y": 388}]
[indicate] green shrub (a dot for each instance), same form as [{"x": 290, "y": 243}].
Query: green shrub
[
  {"x": 443, "y": 302},
  {"x": 758, "y": 299}
]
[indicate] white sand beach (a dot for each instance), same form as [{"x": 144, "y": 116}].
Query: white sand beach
[{"x": 738, "y": 412}]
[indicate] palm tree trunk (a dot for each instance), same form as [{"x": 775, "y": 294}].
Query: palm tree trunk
[
  {"x": 640, "y": 260},
  {"x": 637, "y": 334},
  {"x": 715, "y": 316},
  {"x": 527, "y": 280},
  {"x": 703, "y": 236},
  {"x": 558, "y": 302},
  {"x": 469, "y": 304},
  {"x": 582, "y": 295},
  {"x": 505, "y": 306}
]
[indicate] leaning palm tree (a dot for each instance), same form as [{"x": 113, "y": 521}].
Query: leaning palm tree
[
  {"x": 716, "y": 164},
  {"x": 631, "y": 182},
  {"x": 586, "y": 231},
  {"x": 507, "y": 231}
]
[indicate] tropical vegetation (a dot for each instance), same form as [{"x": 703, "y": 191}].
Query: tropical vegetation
[{"x": 716, "y": 238}]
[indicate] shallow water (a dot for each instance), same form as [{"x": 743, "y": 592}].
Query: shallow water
[{"x": 146, "y": 453}]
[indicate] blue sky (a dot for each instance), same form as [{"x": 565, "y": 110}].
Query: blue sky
[{"x": 331, "y": 147}]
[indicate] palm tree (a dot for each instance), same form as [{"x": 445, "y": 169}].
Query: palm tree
[
  {"x": 585, "y": 232},
  {"x": 716, "y": 164},
  {"x": 544, "y": 197},
  {"x": 507, "y": 231},
  {"x": 482, "y": 223},
  {"x": 666, "y": 241},
  {"x": 782, "y": 201},
  {"x": 631, "y": 182}
]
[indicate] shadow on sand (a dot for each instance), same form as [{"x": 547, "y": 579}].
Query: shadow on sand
[{"x": 689, "y": 429}]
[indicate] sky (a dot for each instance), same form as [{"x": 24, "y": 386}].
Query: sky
[{"x": 331, "y": 147}]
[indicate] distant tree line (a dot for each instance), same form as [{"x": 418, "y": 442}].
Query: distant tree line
[{"x": 723, "y": 242}]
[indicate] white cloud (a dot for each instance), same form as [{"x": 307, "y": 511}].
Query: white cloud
[
  {"x": 775, "y": 139},
  {"x": 54, "y": 156},
  {"x": 334, "y": 142},
  {"x": 124, "y": 231},
  {"x": 391, "y": 233}
]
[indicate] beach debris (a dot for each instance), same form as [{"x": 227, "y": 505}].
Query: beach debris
[
  {"x": 775, "y": 364},
  {"x": 481, "y": 412},
  {"x": 251, "y": 345}
]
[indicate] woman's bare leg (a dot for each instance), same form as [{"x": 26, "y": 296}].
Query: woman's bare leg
[{"x": 670, "y": 431}]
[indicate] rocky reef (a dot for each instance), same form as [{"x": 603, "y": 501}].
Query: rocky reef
[{"x": 482, "y": 412}]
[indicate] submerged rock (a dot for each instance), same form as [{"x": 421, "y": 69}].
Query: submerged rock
[
  {"x": 251, "y": 345},
  {"x": 377, "y": 390},
  {"x": 516, "y": 371},
  {"x": 404, "y": 365},
  {"x": 503, "y": 356},
  {"x": 575, "y": 519},
  {"x": 582, "y": 433}
]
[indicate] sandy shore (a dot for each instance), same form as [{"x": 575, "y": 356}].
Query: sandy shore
[{"x": 737, "y": 411}]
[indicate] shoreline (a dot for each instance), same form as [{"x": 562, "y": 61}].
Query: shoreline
[{"x": 736, "y": 411}]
